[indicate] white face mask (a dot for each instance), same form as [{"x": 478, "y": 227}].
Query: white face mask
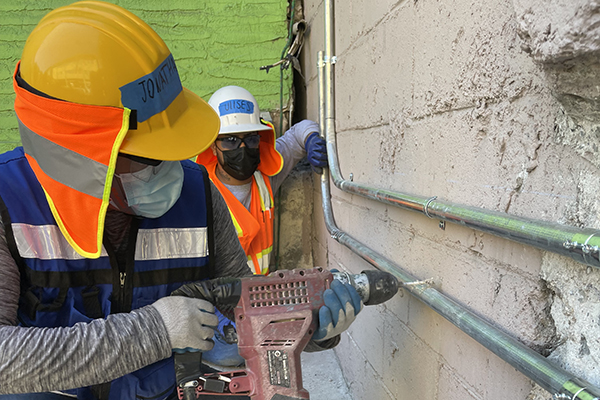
[{"x": 152, "y": 191}]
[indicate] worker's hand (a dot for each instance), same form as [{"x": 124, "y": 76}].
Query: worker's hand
[
  {"x": 217, "y": 291},
  {"x": 316, "y": 152},
  {"x": 190, "y": 322},
  {"x": 342, "y": 304}
]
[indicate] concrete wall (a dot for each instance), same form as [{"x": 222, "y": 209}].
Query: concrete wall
[{"x": 486, "y": 103}]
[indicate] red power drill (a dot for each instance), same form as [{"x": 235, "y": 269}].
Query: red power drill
[{"x": 276, "y": 316}]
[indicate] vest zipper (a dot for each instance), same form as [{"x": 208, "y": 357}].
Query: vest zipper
[
  {"x": 122, "y": 262},
  {"x": 121, "y": 296},
  {"x": 127, "y": 271}
]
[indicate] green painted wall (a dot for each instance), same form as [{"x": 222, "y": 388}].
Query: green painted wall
[{"x": 214, "y": 42}]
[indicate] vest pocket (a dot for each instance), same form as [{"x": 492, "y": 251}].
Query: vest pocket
[
  {"x": 156, "y": 381},
  {"x": 31, "y": 303},
  {"x": 159, "y": 396}
]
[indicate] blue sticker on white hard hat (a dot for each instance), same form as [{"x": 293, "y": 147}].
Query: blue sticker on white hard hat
[
  {"x": 236, "y": 106},
  {"x": 153, "y": 93}
]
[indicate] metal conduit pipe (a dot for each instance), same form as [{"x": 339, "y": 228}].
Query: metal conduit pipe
[
  {"x": 557, "y": 381},
  {"x": 562, "y": 384},
  {"x": 582, "y": 245}
]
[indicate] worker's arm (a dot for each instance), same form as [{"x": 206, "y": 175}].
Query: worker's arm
[
  {"x": 291, "y": 146},
  {"x": 46, "y": 359}
]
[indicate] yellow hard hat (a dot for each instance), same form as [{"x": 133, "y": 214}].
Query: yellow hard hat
[{"x": 97, "y": 53}]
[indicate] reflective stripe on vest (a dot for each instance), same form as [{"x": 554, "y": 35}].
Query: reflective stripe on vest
[
  {"x": 266, "y": 198},
  {"x": 259, "y": 262},
  {"x": 254, "y": 226},
  {"x": 46, "y": 242}
]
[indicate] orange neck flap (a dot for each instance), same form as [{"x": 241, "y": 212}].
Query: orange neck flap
[{"x": 72, "y": 149}]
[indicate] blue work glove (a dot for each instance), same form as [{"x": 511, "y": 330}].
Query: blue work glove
[
  {"x": 316, "y": 152},
  {"x": 342, "y": 304},
  {"x": 225, "y": 352}
]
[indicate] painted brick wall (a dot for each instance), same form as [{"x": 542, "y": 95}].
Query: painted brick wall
[{"x": 214, "y": 42}]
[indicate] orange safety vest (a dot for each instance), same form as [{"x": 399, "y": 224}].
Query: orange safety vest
[{"x": 254, "y": 227}]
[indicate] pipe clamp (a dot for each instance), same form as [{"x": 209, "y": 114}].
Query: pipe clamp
[
  {"x": 579, "y": 391},
  {"x": 425, "y": 209},
  {"x": 332, "y": 59}
]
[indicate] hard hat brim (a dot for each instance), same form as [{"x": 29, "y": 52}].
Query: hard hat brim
[
  {"x": 194, "y": 130},
  {"x": 227, "y": 130}
]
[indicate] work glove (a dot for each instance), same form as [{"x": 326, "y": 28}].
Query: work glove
[
  {"x": 342, "y": 304},
  {"x": 316, "y": 152},
  {"x": 224, "y": 293},
  {"x": 190, "y": 322}
]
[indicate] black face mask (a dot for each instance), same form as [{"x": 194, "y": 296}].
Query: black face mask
[{"x": 241, "y": 162}]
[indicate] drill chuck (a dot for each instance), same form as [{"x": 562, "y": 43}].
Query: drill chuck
[{"x": 373, "y": 287}]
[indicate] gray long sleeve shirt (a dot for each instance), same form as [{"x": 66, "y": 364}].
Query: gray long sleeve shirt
[
  {"x": 48, "y": 359},
  {"x": 291, "y": 147}
]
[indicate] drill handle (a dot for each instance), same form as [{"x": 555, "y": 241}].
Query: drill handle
[
  {"x": 222, "y": 291},
  {"x": 187, "y": 372}
]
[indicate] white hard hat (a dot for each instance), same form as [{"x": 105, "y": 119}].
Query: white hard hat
[{"x": 237, "y": 109}]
